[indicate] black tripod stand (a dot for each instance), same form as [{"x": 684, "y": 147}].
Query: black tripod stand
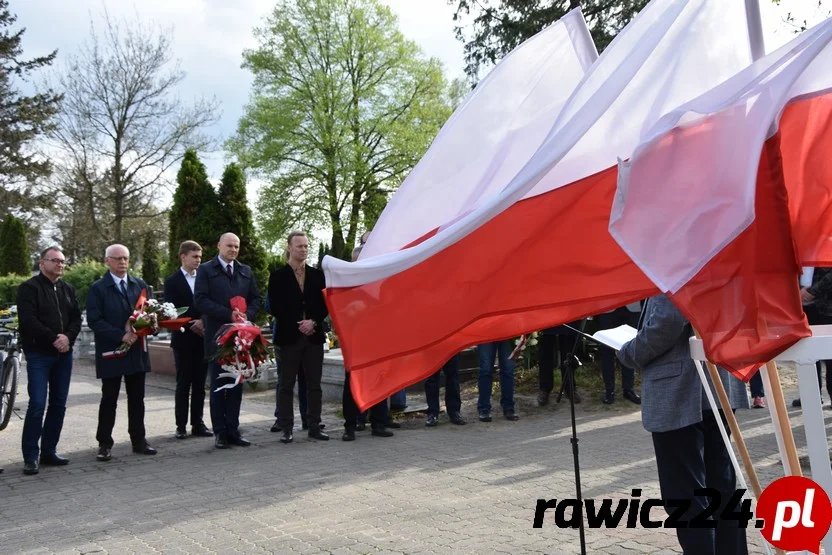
[{"x": 568, "y": 366}]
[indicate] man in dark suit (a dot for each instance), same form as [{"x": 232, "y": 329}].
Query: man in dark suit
[
  {"x": 690, "y": 453},
  {"x": 50, "y": 320},
  {"x": 297, "y": 302},
  {"x": 217, "y": 282},
  {"x": 110, "y": 302},
  {"x": 188, "y": 346}
]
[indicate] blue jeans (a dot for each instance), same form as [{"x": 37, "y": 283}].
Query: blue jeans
[
  {"x": 50, "y": 373},
  {"x": 453, "y": 403},
  {"x": 399, "y": 398},
  {"x": 487, "y": 352},
  {"x": 756, "y": 384}
]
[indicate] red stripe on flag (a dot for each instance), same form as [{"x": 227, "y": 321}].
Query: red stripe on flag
[
  {"x": 544, "y": 261},
  {"x": 745, "y": 302}
]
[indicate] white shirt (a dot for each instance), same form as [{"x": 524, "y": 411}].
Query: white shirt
[
  {"x": 118, "y": 281},
  {"x": 191, "y": 279},
  {"x": 225, "y": 264}
]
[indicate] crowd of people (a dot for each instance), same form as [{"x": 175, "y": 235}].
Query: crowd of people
[{"x": 689, "y": 451}]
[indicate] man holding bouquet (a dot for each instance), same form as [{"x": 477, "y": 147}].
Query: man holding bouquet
[
  {"x": 217, "y": 282},
  {"x": 110, "y": 303}
]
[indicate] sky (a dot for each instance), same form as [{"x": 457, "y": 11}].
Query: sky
[{"x": 210, "y": 35}]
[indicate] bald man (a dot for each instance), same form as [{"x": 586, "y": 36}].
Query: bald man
[{"x": 217, "y": 282}]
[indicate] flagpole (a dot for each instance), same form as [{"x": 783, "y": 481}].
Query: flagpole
[{"x": 755, "y": 29}]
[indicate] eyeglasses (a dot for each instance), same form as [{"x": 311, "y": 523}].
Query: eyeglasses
[
  {"x": 59, "y": 261},
  {"x": 119, "y": 258}
]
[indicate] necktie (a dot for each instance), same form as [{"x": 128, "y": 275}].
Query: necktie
[
  {"x": 124, "y": 291},
  {"x": 228, "y": 270}
]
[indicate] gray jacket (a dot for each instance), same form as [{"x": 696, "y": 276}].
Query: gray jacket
[{"x": 671, "y": 392}]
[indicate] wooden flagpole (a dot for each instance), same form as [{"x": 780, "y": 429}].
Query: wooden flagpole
[{"x": 775, "y": 394}]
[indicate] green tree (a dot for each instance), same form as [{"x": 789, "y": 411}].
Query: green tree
[
  {"x": 151, "y": 270},
  {"x": 24, "y": 119},
  {"x": 497, "y": 27},
  {"x": 14, "y": 253},
  {"x": 342, "y": 108},
  {"x": 235, "y": 216},
  {"x": 194, "y": 212}
]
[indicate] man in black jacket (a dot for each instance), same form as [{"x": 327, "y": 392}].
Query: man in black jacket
[
  {"x": 817, "y": 303},
  {"x": 50, "y": 320},
  {"x": 296, "y": 300},
  {"x": 188, "y": 345},
  {"x": 217, "y": 282}
]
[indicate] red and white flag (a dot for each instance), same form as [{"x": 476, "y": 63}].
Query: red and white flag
[
  {"x": 518, "y": 240},
  {"x": 720, "y": 192}
]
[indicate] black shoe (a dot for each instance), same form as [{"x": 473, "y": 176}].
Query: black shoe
[
  {"x": 201, "y": 430},
  {"x": 392, "y": 425},
  {"x": 576, "y": 398},
  {"x": 239, "y": 441},
  {"x": 510, "y": 416},
  {"x": 180, "y": 433},
  {"x": 53, "y": 460},
  {"x": 30, "y": 468},
  {"x": 542, "y": 398},
  {"x": 349, "y": 434},
  {"x": 609, "y": 397},
  {"x": 103, "y": 454},
  {"x": 796, "y": 404},
  {"x": 287, "y": 436},
  {"x": 275, "y": 427},
  {"x": 397, "y": 408},
  {"x": 361, "y": 426},
  {"x": 144, "y": 449},
  {"x": 318, "y": 434},
  {"x": 431, "y": 420},
  {"x": 485, "y": 416},
  {"x": 220, "y": 441},
  {"x": 381, "y": 432},
  {"x": 304, "y": 425},
  {"x": 456, "y": 418},
  {"x": 631, "y": 395}
]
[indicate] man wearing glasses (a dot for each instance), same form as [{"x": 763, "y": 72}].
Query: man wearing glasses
[
  {"x": 50, "y": 320},
  {"x": 110, "y": 303}
]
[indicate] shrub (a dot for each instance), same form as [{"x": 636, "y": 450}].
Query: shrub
[
  {"x": 8, "y": 289},
  {"x": 81, "y": 275}
]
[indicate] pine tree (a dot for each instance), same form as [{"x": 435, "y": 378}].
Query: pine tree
[
  {"x": 14, "y": 253},
  {"x": 194, "y": 212},
  {"x": 24, "y": 119},
  {"x": 235, "y": 216},
  {"x": 150, "y": 260}
]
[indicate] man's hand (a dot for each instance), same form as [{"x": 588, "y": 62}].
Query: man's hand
[
  {"x": 306, "y": 327},
  {"x": 61, "y": 343},
  {"x": 805, "y": 296},
  {"x": 198, "y": 327},
  {"x": 237, "y": 316},
  {"x": 129, "y": 338}
]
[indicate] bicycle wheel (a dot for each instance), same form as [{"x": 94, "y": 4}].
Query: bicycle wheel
[{"x": 8, "y": 390}]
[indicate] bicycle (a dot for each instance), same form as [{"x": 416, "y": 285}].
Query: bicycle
[{"x": 9, "y": 372}]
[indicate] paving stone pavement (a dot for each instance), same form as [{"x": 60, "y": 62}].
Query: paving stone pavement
[{"x": 450, "y": 489}]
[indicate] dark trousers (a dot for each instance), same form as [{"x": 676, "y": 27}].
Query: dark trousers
[
  {"x": 225, "y": 404},
  {"x": 618, "y": 317},
  {"x": 453, "y": 403},
  {"x": 110, "y": 387},
  {"x": 302, "y": 405},
  {"x": 817, "y": 319},
  {"x": 561, "y": 339},
  {"x": 695, "y": 457},
  {"x": 310, "y": 357},
  {"x": 191, "y": 371},
  {"x": 48, "y": 376},
  {"x": 379, "y": 413},
  {"x": 756, "y": 383}
]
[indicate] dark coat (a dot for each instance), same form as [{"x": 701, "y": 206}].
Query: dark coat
[
  {"x": 288, "y": 304},
  {"x": 44, "y": 311},
  {"x": 178, "y": 293},
  {"x": 107, "y": 314},
  {"x": 821, "y": 289},
  {"x": 213, "y": 292}
]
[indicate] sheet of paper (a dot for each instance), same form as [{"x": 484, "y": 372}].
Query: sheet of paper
[{"x": 615, "y": 337}]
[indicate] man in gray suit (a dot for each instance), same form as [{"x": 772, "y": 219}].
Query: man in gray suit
[{"x": 690, "y": 453}]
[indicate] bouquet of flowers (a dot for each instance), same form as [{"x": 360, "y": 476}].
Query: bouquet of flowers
[
  {"x": 148, "y": 317},
  {"x": 242, "y": 349},
  {"x": 521, "y": 344}
]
